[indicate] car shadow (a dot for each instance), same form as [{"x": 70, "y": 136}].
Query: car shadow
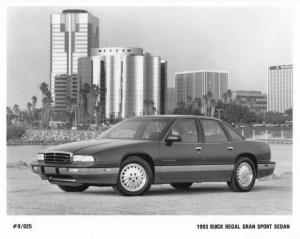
[
  {"x": 207, "y": 189},
  {"x": 189, "y": 191},
  {"x": 165, "y": 191}
]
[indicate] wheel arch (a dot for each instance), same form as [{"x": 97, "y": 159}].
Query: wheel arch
[
  {"x": 250, "y": 156},
  {"x": 143, "y": 156}
]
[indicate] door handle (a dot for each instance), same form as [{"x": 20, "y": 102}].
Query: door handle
[
  {"x": 198, "y": 148},
  {"x": 230, "y": 148}
]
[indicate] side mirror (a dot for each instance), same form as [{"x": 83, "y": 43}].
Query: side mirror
[{"x": 173, "y": 138}]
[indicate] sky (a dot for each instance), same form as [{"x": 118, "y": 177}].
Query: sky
[{"x": 241, "y": 40}]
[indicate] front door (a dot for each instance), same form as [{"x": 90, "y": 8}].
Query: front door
[{"x": 178, "y": 160}]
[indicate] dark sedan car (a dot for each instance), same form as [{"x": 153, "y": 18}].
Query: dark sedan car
[{"x": 140, "y": 151}]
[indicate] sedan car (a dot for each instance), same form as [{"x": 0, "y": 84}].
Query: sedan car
[{"x": 141, "y": 151}]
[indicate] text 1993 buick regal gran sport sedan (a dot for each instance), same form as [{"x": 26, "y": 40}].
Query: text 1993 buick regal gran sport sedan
[{"x": 140, "y": 151}]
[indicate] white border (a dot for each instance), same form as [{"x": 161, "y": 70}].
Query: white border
[{"x": 146, "y": 226}]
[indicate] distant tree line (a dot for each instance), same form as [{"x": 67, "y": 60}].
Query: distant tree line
[
  {"x": 230, "y": 110},
  {"x": 85, "y": 112},
  {"x": 88, "y": 110}
]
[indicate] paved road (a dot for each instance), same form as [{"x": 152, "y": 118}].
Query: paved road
[{"x": 28, "y": 195}]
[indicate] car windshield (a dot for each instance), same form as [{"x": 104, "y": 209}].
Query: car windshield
[{"x": 138, "y": 128}]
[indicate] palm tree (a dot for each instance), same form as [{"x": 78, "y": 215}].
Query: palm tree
[
  {"x": 16, "y": 110},
  {"x": 149, "y": 108},
  {"x": 153, "y": 108},
  {"x": 29, "y": 112},
  {"x": 46, "y": 104},
  {"x": 70, "y": 108},
  {"x": 34, "y": 100},
  {"x": 213, "y": 107},
  {"x": 198, "y": 104},
  {"x": 29, "y": 105},
  {"x": 225, "y": 97},
  {"x": 33, "y": 103},
  {"x": 95, "y": 91},
  {"x": 238, "y": 99},
  {"x": 44, "y": 88},
  {"x": 189, "y": 104},
  {"x": 189, "y": 101},
  {"x": 207, "y": 103},
  {"x": 84, "y": 103},
  {"x": 229, "y": 94}
]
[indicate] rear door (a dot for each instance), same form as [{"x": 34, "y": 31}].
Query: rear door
[{"x": 217, "y": 151}]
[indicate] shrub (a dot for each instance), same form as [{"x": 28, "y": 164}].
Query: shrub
[{"x": 14, "y": 131}]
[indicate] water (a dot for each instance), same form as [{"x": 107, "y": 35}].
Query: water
[
  {"x": 281, "y": 153},
  {"x": 25, "y": 153}
]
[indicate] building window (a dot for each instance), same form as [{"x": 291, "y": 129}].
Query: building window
[{"x": 128, "y": 50}]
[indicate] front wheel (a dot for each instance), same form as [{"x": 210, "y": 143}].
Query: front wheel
[
  {"x": 80, "y": 188},
  {"x": 135, "y": 177},
  {"x": 244, "y": 175},
  {"x": 181, "y": 185}
]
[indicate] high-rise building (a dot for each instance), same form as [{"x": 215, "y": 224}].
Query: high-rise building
[
  {"x": 196, "y": 84},
  {"x": 72, "y": 35},
  {"x": 280, "y": 88},
  {"x": 131, "y": 82},
  {"x": 171, "y": 104},
  {"x": 256, "y": 101}
]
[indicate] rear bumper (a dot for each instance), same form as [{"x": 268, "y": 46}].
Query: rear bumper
[
  {"x": 70, "y": 174},
  {"x": 265, "y": 169}
]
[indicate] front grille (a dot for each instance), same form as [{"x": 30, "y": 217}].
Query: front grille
[{"x": 57, "y": 157}]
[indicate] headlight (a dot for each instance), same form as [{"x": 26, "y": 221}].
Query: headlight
[
  {"x": 40, "y": 157},
  {"x": 83, "y": 158}
]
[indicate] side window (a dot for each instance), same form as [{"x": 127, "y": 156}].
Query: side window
[
  {"x": 187, "y": 129},
  {"x": 213, "y": 132},
  {"x": 234, "y": 135},
  {"x": 154, "y": 129}
]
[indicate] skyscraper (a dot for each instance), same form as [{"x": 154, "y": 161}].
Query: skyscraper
[
  {"x": 280, "y": 88},
  {"x": 134, "y": 82},
  {"x": 72, "y": 35},
  {"x": 196, "y": 84}
]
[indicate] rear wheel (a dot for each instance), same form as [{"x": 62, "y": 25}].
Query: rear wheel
[
  {"x": 244, "y": 175},
  {"x": 181, "y": 185},
  {"x": 80, "y": 188},
  {"x": 135, "y": 177}
]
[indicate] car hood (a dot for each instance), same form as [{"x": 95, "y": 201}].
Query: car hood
[{"x": 90, "y": 145}]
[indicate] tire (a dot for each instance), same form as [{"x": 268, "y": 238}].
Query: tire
[
  {"x": 134, "y": 178},
  {"x": 80, "y": 188},
  {"x": 181, "y": 185},
  {"x": 240, "y": 183}
]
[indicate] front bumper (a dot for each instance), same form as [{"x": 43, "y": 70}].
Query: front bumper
[
  {"x": 265, "y": 169},
  {"x": 69, "y": 174}
]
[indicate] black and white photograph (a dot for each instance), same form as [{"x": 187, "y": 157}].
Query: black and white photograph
[{"x": 155, "y": 110}]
